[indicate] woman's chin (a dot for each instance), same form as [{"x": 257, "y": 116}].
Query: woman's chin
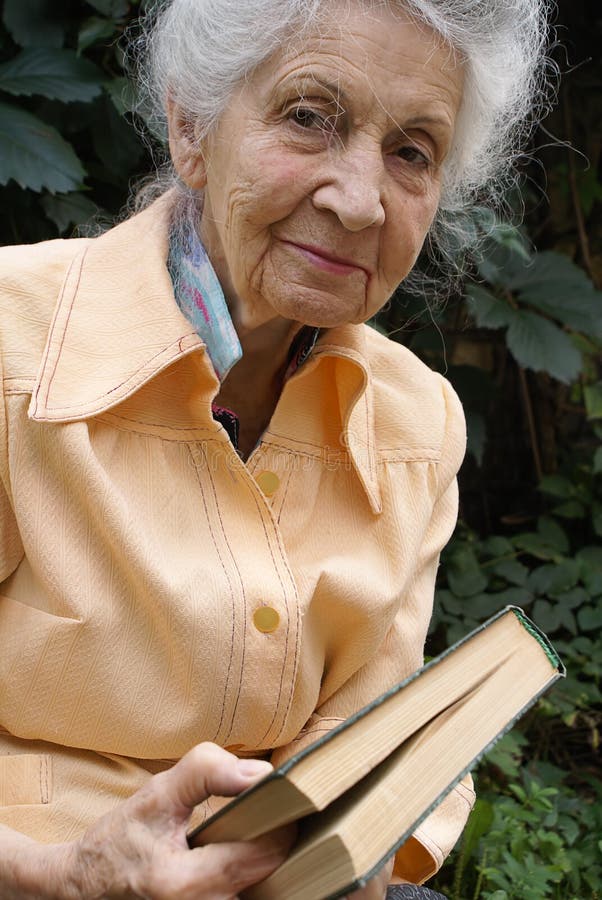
[{"x": 319, "y": 309}]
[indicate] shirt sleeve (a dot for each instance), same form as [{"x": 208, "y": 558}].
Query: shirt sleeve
[
  {"x": 11, "y": 548},
  {"x": 424, "y": 853}
]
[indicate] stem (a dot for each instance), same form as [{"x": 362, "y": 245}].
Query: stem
[
  {"x": 477, "y": 890},
  {"x": 528, "y": 405},
  {"x": 498, "y": 559},
  {"x": 583, "y": 238},
  {"x": 458, "y": 873},
  {"x": 531, "y": 423}
]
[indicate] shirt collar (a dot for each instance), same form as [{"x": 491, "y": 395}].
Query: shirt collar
[
  {"x": 355, "y": 400},
  {"x": 116, "y": 325}
]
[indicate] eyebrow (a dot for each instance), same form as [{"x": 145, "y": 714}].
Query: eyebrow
[
  {"x": 330, "y": 87},
  {"x": 418, "y": 121}
]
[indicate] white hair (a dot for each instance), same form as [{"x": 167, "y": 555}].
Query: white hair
[{"x": 199, "y": 51}]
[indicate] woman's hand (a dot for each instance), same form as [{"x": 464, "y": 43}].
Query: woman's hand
[{"x": 139, "y": 850}]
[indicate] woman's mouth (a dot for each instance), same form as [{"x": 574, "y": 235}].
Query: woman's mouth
[{"x": 328, "y": 262}]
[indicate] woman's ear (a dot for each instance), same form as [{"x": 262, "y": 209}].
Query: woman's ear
[{"x": 185, "y": 148}]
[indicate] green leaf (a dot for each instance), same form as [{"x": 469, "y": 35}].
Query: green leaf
[
  {"x": 512, "y": 570},
  {"x": 592, "y": 394},
  {"x": 506, "y": 754},
  {"x": 597, "y": 463},
  {"x": 571, "y": 831},
  {"x": 115, "y": 141},
  {"x": 479, "y": 823},
  {"x": 552, "y": 580},
  {"x": 34, "y": 154},
  {"x": 69, "y": 209},
  {"x": 551, "y": 532},
  {"x": 567, "y": 619},
  {"x": 566, "y": 576},
  {"x": 581, "y": 645},
  {"x": 56, "y": 74},
  {"x": 501, "y": 258},
  {"x": 556, "y": 486},
  {"x": 487, "y": 310},
  {"x": 590, "y": 618},
  {"x": 94, "y": 30},
  {"x": 488, "y": 270},
  {"x": 482, "y": 606},
  {"x": 113, "y": 8},
  {"x": 540, "y": 345},
  {"x": 546, "y": 615},
  {"x": 536, "y": 546},
  {"x": 593, "y": 583},
  {"x": 122, "y": 92},
  {"x": 497, "y": 546},
  {"x": 34, "y": 23},
  {"x": 513, "y": 596},
  {"x": 555, "y": 285},
  {"x": 572, "y": 509},
  {"x": 464, "y": 574},
  {"x": 509, "y": 236},
  {"x": 452, "y": 604},
  {"x": 590, "y": 559},
  {"x": 573, "y": 598}
]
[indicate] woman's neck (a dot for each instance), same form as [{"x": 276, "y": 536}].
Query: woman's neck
[{"x": 252, "y": 387}]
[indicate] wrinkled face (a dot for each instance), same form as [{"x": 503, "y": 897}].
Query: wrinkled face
[{"x": 323, "y": 175}]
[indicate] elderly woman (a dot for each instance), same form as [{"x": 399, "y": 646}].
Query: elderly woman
[{"x": 222, "y": 496}]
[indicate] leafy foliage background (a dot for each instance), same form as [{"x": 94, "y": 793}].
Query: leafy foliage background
[{"x": 521, "y": 344}]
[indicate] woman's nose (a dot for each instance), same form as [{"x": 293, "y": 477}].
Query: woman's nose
[{"x": 353, "y": 190}]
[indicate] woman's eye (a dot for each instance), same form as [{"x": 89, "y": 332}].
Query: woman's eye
[
  {"x": 414, "y": 155},
  {"x": 307, "y": 118}
]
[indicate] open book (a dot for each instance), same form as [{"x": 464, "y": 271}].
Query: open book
[{"x": 360, "y": 791}]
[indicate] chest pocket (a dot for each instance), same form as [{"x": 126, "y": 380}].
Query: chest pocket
[{"x": 25, "y": 779}]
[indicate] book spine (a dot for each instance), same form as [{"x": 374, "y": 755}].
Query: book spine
[{"x": 541, "y": 638}]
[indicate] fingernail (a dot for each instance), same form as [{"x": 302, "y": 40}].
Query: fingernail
[{"x": 254, "y": 768}]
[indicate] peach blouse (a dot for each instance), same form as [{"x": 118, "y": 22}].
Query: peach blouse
[{"x": 156, "y": 590}]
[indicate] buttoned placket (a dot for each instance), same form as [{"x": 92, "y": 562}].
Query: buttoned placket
[{"x": 270, "y": 618}]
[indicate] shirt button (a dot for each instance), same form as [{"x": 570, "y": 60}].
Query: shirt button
[
  {"x": 266, "y": 619},
  {"x": 268, "y": 482}
]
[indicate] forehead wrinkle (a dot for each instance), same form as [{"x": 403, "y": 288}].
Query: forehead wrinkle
[
  {"x": 439, "y": 116},
  {"x": 362, "y": 38},
  {"x": 445, "y": 119},
  {"x": 333, "y": 58},
  {"x": 438, "y": 44}
]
